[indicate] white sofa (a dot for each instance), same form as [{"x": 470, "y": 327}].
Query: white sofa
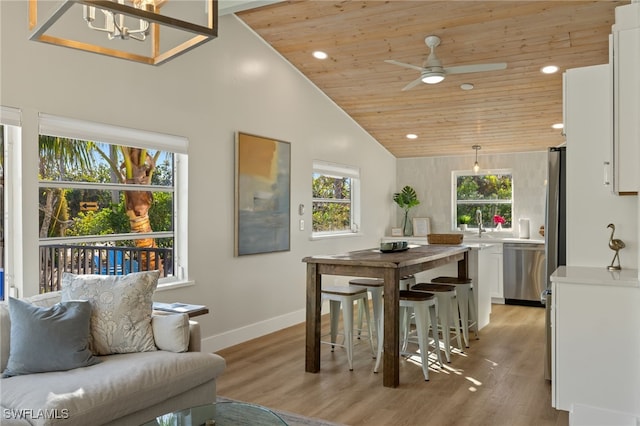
[{"x": 123, "y": 389}]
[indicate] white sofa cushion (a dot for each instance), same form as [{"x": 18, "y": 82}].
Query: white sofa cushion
[
  {"x": 171, "y": 332},
  {"x": 121, "y": 309},
  {"x": 119, "y": 385},
  {"x": 63, "y": 329}
]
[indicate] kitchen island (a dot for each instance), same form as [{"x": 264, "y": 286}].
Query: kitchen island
[{"x": 372, "y": 263}]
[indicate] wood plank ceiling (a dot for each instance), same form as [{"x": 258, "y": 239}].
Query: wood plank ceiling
[{"x": 508, "y": 111}]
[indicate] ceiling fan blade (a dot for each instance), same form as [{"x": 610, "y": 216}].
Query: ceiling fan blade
[
  {"x": 402, "y": 64},
  {"x": 463, "y": 69},
  {"x": 413, "y": 84}
]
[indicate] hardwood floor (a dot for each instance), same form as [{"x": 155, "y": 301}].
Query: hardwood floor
[{"x": 497, "y": 381}]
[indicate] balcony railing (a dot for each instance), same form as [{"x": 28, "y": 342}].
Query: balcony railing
[{"x": 103, "y": 260}]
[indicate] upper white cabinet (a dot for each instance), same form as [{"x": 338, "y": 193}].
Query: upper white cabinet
[
  {"x": 625, "y": 62},
  {"x": 590, "y": 204}
]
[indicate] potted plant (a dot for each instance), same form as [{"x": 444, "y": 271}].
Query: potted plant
[
  {"x": 463, "y": 221},
  {"x": 406, "y": 199}
]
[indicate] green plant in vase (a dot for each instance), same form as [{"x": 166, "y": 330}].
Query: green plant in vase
[
  {"x": 464, "y": 220},
  {"x": 406, "y": 200}
]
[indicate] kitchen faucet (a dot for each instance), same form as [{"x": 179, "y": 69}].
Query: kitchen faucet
[{"x": 479, "y": 221}]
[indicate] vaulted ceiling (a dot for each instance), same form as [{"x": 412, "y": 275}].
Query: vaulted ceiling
[{"x": 510, "y": 110}]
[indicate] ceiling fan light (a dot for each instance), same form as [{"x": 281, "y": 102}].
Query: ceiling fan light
[{"x": 432, "y": 78}]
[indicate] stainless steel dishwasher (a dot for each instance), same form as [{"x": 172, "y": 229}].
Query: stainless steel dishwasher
[{"x": 523, "y": 273}]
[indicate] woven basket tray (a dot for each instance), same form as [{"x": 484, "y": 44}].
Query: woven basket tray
[{"x": 445, "y": 238}]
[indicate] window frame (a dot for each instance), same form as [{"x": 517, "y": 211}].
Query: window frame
[
  {"x": 339, "y": 171},
  {"x": 454, "y": 195},
  {"x": 116, "y": 135},
  {"x": 11, "y": 120}
]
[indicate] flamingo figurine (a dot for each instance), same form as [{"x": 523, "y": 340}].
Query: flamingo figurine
[{"x": 616, "y": 245}]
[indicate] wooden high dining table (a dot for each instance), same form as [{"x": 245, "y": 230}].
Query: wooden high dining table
[{"x": 372, "y": 263}]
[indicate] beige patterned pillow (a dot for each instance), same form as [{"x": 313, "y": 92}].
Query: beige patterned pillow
[{"x": 121, "y": 309}]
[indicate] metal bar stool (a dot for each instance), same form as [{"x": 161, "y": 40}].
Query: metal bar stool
[
  {"x": 466, "y": 304},
  {"x": 343, "y": 298},
  {"x": 375, "y": 287},
  {"x": 424, "y": 307},
  {"x": 447, "y": 309}
]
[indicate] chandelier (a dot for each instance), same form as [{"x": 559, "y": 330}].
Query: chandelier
[
  {"x": 146, "y": 31},
  {"x": 114, "y": 23}
]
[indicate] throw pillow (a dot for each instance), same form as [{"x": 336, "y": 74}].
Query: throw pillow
[
  {"x": 48, "y": 339},
  {"x": 171, "y": 332},
  {"x": 121, "y": 309}
]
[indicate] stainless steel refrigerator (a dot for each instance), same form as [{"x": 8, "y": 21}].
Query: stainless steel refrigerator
[{"x": 555, "y": 232}]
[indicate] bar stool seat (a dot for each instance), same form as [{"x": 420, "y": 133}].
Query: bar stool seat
[
  {"x": 447, "y": 308},
  {"x": 343, "y": 298},
  {"x": 466, "y": 304},
  {"x": 424, "y": 307}
]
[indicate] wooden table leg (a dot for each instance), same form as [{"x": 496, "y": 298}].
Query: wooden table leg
[
  {"x": 463, "y": 266},
  {"x": 391, "y": 354},
  {"x": 314, "y": 299}
]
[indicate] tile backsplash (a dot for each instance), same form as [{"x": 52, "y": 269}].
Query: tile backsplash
[{"x": 431, "y": 177}]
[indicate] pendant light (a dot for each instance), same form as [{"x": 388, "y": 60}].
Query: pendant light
[{"x": 476, "y": 166}]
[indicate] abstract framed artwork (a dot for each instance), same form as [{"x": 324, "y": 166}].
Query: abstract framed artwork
[{"x": 263, "y": 195}]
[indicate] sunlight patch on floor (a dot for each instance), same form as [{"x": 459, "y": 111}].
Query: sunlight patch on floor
[{"x": 493, "y": 364}]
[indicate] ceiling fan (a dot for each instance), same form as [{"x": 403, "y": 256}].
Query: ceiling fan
[{"x": 432, "y": 71}]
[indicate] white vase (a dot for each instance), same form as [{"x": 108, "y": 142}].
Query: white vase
[{"x": 499, "y": 227}]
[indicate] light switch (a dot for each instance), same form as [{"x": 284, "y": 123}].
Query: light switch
[{"x": 302, "y": 224}]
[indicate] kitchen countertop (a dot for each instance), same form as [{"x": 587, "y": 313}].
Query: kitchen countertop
[
  {"x": 470, "y": 239},
  {"x": 491, "y": 237},
  {"x": 479, "y": 246},
  {"x": 596, "y": 276}
]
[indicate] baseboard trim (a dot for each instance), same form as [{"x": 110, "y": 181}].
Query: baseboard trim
[{"x": 239, "y": 335}]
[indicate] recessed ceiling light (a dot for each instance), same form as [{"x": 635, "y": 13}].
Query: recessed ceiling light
[
  {"x": 549, "y": 69},
  {"x": 557, "y": 126},
  {"x": 319, "y": 54},
  {"x": 412, "y": 136},
  {"x": 466, "y": 86}
]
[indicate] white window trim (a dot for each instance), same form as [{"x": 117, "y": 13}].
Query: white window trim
[
  {"x": 71, "y": 128},
  {"x": 341, "y": 170},
  {"x": 11, "y": 118},
  {"x": 454, "y": 193},
  {"x": 86, "y": 130}
]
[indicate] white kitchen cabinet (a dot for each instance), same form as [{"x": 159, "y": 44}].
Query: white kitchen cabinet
[
  {"x": 625, "y": 65},
  {"x": 491, "y": 271},
  {"x": 595, "y": 324},
  {"x": 591, "y": 205}
]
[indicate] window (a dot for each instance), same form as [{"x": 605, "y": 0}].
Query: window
[
  {"x": 109, "y": 201},
  {"x": 491, "y": 193},
  {"x": 336, "y": 199}
]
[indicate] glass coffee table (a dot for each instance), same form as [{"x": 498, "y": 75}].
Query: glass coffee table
[{"x": 220, "y": 414}]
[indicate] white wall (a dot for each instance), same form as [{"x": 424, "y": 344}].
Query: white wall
[
  {"x": 233, "y": 83},
  {"x": 431, "y": 178}
]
